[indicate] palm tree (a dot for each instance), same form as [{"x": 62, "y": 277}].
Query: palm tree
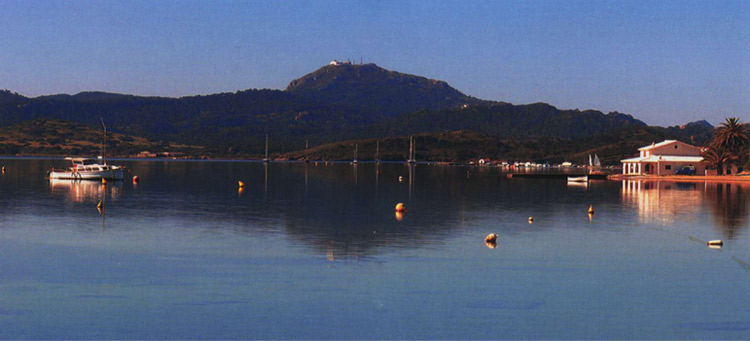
[
  {"x": 732, "y": 136},
  {"x": 716, "y": 157}
]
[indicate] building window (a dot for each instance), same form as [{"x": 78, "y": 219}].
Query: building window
[
  {"x": 668, "y": 167},
  {"x": 675, "y": 146}
]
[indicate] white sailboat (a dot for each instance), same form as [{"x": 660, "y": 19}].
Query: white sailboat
[
  {"x": 266, "y": 159},
  {"x": 412, "y": 158}
]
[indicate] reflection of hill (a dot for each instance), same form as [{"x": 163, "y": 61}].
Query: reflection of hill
[
  {"x": 86, "y": 191},
  {"x": 347, "y": 211},
  {"x": 667, "y": 201}
]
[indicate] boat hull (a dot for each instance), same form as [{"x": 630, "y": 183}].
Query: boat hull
[{"x": 111, "y": 174}]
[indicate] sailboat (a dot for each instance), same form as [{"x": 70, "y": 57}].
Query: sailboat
[
  {"x": 266, "y": 159},
  {"x": 307, "y": 146},
  {"x": 377, "y": 151},
  {"x": 411, "y": 160}
]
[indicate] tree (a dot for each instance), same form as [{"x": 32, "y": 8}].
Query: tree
[
  {"x": 732, "y": 137},
  {"x": 716, "y": 157}
]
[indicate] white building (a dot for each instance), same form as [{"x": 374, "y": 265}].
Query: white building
[{"x": 665, "y": 158}]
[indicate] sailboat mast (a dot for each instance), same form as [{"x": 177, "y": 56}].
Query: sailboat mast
[
  {"x": 377, "y": 149},
  {"x": 266, "y": 146},
  {"x": 104, "y": 145}
]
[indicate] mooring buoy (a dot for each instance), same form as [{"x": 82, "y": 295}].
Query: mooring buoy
[
  {"x": 591, "y": 209},
  {"x": 136, "y": 179},
  {"x": 240, "y": 184},
  {"x": 491, "y": 238},
  {"x": 400, "y": 207}
]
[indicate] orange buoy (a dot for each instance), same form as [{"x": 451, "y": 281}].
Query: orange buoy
[
  {"x": 136, "y": 179},
  {"x": 491, "y": 238},
  {"x": 100, "y": 205},
  {"x": 104, "y": 181},
  {"x": 241, "y": 184},
  {"x": 400, "y": 207},
  {"x": 591, "y": 209}
]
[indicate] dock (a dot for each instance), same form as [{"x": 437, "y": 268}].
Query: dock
[{"x": 555, "y": 176}]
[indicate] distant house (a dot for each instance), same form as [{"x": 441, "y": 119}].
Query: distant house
[
  {"x": 484, "y": 161},
  {"x": 665, "y": 158}
]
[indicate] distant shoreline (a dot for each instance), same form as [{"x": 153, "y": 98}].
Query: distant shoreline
[{"x": 683, "y": 178}]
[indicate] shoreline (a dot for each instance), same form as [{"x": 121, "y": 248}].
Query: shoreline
[{"x": 683, "y": 178}]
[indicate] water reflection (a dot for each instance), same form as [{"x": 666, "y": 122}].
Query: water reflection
[
  {"x": 729, "y": 203},
  {"x": 665, "y": 202},
  {"x": 86, "y": 191}
]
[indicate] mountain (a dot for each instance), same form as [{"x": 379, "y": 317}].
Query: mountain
[
  {"x": 337, "y": 102},
  {"x": 376, "y": 90}
]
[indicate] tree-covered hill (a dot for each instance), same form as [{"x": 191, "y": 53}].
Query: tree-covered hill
[{"x": 335, "y": 103}]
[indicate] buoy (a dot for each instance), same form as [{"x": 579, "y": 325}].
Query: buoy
[
  {"x": 104, "y": 181},
  {"x": 399, "y": 216},
  {"x": 100, "y": 205},
  {"x": 490, "y": 245},
  {"x": 400, "y": 178},
  {"x": 591, "y": 217},
  {"x": 135, "y": 179},
  {"x": 717, "y": 242},
  {"x": 400, "y": 207},
  {"x": 531, "y": 220},
  {"x": 491, "y": 238},
  {"x": 241, "y": 184},
  {"x": 591, "y": 209}
]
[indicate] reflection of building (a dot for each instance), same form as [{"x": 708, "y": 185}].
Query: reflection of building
[
  {"x": 665, "y": 158},
  {"x": 82, "y": 191},
  {"x": 662, "y": 201},
  {"x": 668, "y": 201}
]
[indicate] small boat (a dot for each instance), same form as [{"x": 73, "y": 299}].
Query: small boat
[
  {"x": 87, "y": 169},
  {"x": 584, "y": 178}
]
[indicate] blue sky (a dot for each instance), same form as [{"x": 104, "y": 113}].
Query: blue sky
[{"x": 664, "y": 62}]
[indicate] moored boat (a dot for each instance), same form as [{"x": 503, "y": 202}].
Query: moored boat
[
  {"x": 584, "y": 178},
  {"x": 87, "y": 169}
]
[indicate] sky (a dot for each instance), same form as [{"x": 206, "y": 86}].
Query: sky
[{"x": 664, "y": 62}]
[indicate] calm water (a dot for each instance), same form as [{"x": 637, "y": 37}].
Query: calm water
[{"x": 316, "y": 251}]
